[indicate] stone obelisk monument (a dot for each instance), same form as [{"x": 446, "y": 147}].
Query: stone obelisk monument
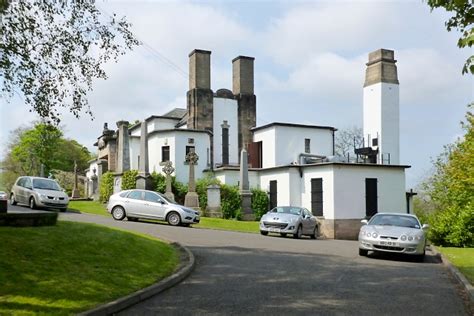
[
  {"x": 245, "y": 194},
  {"x": 191, "y": 199}
]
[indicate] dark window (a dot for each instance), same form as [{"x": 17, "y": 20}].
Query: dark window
[
  {"x": 136, "y": 195},
  {"x": 190, "y": 140},
  {"x": 21, "y": 182},
  {"x": 28, "y": 183},
  {"x": 273, "y": 194},
  {"x": 225, "y": 146},
  {"x": 307, "y": 145},
  {"x": 317, "y": 196},
  {"x": 371, "y": 207},
  {"x": 152, "y": 197},
  {"x": 189, "y": 148},
  {"x": 165, "y": 153},
  {"x": 375, "y": 142}
]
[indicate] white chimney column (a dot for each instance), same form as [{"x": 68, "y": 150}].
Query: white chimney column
[{"x": 381, "y": 107}]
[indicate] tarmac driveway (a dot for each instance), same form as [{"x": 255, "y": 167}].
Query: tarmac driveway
[{"x": 239, "y": 273}]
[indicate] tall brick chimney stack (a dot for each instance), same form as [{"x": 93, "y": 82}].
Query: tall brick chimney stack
[
  {"x": 243, "y": 90},
  {"x": 200, "y": 96}
]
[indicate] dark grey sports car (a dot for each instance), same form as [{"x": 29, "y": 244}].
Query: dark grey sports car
[{"x": 293, "y": 220}]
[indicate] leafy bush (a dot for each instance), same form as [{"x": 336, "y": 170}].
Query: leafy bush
[
  {"x": 230, "y": 199},
  {"x": 106, "y": 186},
  {"x": 129, "y": 180},
  {"x": 453, "y": 227},
  {"x": 159, "y": 182},
  {"x": 260, "y": 202},
  {"x": 66, "y": 181}
]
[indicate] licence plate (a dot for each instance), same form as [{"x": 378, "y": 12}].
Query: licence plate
[
  {"x": 388, "y": 243},
  {"x": 274, "y": 230}
]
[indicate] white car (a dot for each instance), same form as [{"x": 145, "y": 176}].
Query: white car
[
  {"x": 393, "y": 232},
  {"x": 39, "y": 192},
  {"x": 135, "y": 204}
]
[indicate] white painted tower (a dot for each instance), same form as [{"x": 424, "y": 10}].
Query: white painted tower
[{"x": 381, "y": 107}]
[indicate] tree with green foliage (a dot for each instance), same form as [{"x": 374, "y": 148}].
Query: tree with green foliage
[
  {"x": 260, "y": 202},
  {"x": 451, "y": 189},
  {"x": 52, "y": 51},
  {"x": 41, "y": 144},
  {"x": 106, "y": 186},
  {"x": 463, "y": 21}
]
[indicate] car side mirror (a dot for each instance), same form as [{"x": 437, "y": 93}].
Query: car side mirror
[
  {"x": 364, "y": 222},
  {"x": 425, "y": 226},
  {"x": 161, "y": 202}
]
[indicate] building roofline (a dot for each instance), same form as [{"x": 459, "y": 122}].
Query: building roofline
[
  {"x": 292, "y": 125},
  {"x": 180, "y": 130},
  {"x": 347, "y": 164}
]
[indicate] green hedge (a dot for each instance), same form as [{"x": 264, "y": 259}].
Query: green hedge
[
  {"x": 179, "y": 189},
  {"x": 106, "y": 187},
  {"x": 129, "y": 180},
  {"x": 260, "y": 202}
]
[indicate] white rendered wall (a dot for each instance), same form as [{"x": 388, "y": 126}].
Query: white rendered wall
[
  {"x": 157, "y": 124},
  {"x": 226, "y": 109},
  {"x": 291, "y": 140},
  {"x": 283, "y": 184},
  {"x": 327, "y": 174},
  {"x": 134, "y": 145},
  {"x": 155, "y": 142},
  {"x": 201, "y": 145},
  {"x": 232, "y": 177},
  {"x": 267, "y": 137},
  {"x": 382, "y": 117},
  {"x": 349, "y": 190},
  {"x": 92, "y": 165}
]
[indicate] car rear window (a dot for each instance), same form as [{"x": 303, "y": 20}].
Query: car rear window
[{"x": 136, "y": 195}]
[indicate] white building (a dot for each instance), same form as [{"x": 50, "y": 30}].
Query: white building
[{"x": 294, "y": 163}]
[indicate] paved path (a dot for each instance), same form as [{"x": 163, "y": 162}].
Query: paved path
[{"x": 238, "y": 273}]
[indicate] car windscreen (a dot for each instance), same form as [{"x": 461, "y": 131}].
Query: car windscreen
[
  {"x": 287, "y": 210},
  {"x": 45, "y": 184},
  {"x": 395, "y": 220}
]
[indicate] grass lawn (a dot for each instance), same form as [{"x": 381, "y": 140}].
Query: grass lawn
[
  {"x": 98, "y": 208},
  {"x": 91, "y": 207},
  {"x": 461, "y": 258},
  {"x": 72, "y": 267}
]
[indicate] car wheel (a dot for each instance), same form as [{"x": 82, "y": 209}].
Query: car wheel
[
  {"x": 173, "y": 219},
  {"x": 315, "y": 233},
  {"x": 263, "y": 233},
  {"x": 298, "y": 233},
  {"x": 118, "y": 213},
  {"x": 283, "y": 234},
  {"x": 32, "y": 203},
  {"x": 363, "y": 252},
  {"x": 12, "y": 199}
]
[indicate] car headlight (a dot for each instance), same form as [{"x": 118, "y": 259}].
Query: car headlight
[
  {"x": 403, "y": 238},
  {"x": 418, "y": 237},
  {"x": 42, "y": 196},
  {"x": 188, "y": 211},
  {"x": 374, "y": 235},
  {"x": 410, "y": 238}
]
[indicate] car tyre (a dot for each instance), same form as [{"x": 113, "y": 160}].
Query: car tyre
[
  {"x": 32, "y": 203},
  {"x": 12, "y": 199},
  {"x": 173, "y": 219},
  {"x": 363, "y": 252},
  {"x": 315, "y": 233},
  {"x": 118, "y": 213},
  {"x": 263, "y": 233},
  {"x": 298, "y": 233}
]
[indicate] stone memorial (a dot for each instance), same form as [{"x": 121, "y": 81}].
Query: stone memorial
[
  {"x": 245, "y": 194},
  {"x": 191, "y": 199},
  {"x": 168, "y": 170},
  {"x": 75, "y": 191},
  {"x": 143, "y": 180},
  {"x": 214, "y": 208}
]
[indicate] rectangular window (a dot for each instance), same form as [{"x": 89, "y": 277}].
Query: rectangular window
[
  {"x": 189, "y": 148},
  {"x": 165, "y": 153},
  {"x": 307, "y": 145},
  {"x": 317, "y": 196}
]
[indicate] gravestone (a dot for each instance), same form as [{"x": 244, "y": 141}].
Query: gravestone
[
  {"x": 245, "y": 194},
  {"x": 213, "y": 208},
  {"x": 191, "y": 199},
  {"x": 143, "y": 180},
  {"x": 168, "y": 170}
]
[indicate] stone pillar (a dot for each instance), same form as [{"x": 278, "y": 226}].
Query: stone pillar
[
  {"x": 245, "y": 194},
  {"x": 94, "y": 186},
  {"x": 200, "y": 97},
  {"x": 143, "y": 179},
  {"x": 75, "y": 191},
  {"x": 168, "y": 170},
  {"x": 123, "y": 148},
  {"x": 191, "y": 199},
  {"x": 213, "y": 208},
  {"x": 243, "y": 89}
]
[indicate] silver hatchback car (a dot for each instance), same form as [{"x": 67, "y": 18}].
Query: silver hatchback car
[
  {"x": 135, "y": 204},
  {"x": 293, "y": 220},
  {"x": 38, "y": 192}
]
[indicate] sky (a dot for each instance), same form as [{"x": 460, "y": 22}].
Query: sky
[{"x": 309, "y": 67}]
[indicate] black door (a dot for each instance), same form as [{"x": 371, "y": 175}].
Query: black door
[
  {"x": 273, "y": 194},
  {"x": 317, "y": 196},
  {"x": 371, "y": 207}
]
